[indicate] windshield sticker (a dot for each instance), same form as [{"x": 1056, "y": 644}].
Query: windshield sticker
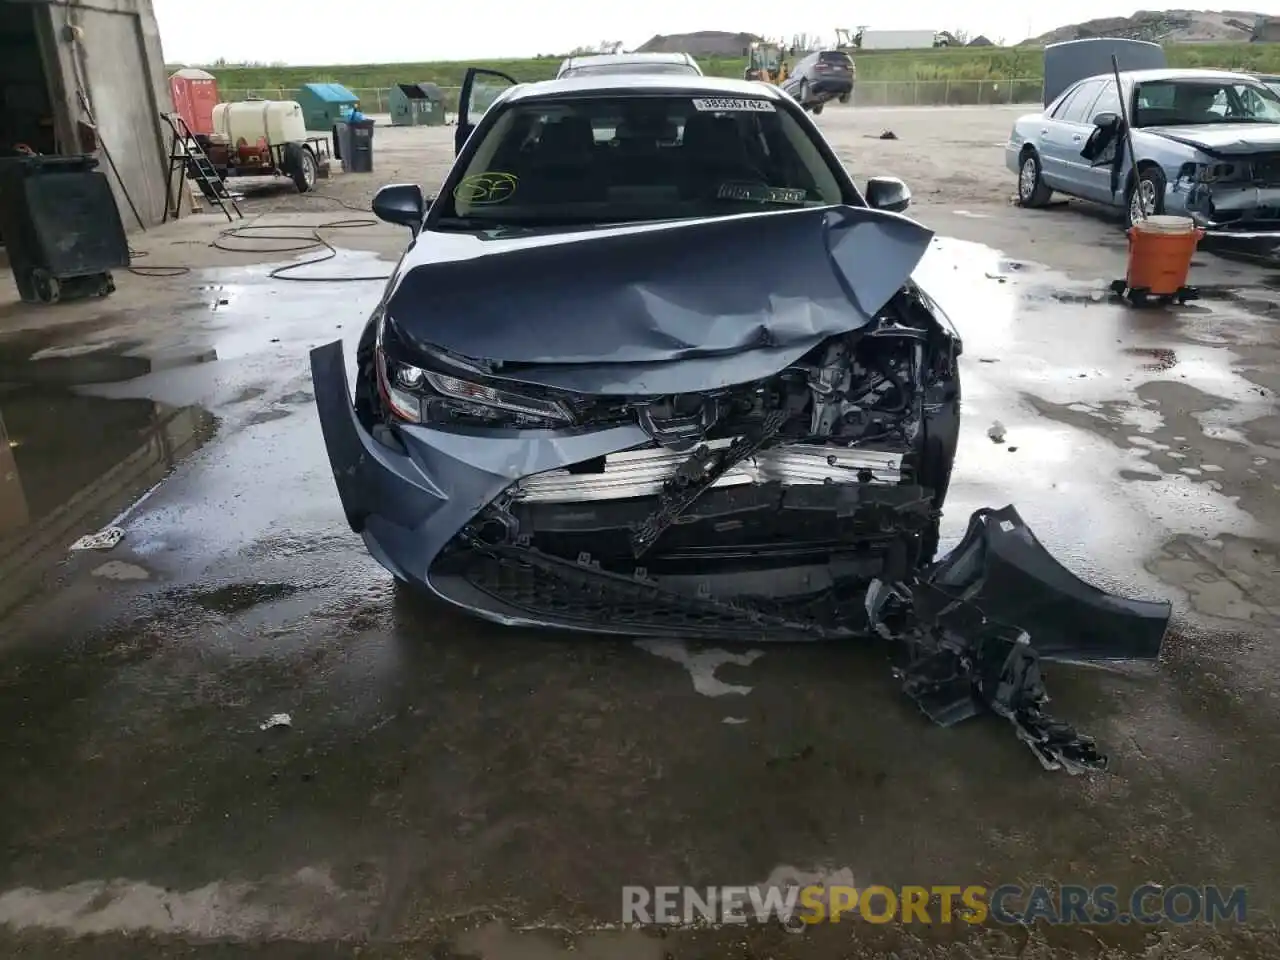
[
  {"x": 719, "y": 105},
  {"x": 756, "y": 193},
  {"x": 483, "y": 188}
]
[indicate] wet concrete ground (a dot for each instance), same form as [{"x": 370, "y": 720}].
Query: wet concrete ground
[{"x": 445, "y": 784}]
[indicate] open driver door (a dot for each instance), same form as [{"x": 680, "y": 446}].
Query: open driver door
[{"x": 480, "y": 88}]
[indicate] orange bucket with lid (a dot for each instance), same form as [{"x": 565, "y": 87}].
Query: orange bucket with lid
[{"x": 1160, "y": 252}]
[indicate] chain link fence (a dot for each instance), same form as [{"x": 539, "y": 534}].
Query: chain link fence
[{"x": 866, "y": 93}]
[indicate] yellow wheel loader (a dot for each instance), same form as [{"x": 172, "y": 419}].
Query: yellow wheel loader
[{"x": 766, "y": 63}]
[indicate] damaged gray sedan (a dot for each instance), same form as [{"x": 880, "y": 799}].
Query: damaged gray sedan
[
  {"x": 1207, "y": 146},
  {"x": 653, "y": 366}
]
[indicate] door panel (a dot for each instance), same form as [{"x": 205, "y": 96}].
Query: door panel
[
  {"x": 1070, "y": 129},
  {"x": 1098, "y": 173},
  {"x": 1053, "y": 145},
  {"x": 480, "y": 87}
]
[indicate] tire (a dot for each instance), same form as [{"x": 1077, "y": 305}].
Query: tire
[
  {"x": 1149, "y": 186},
  {"x": 301, "y": 166},
  {"x": 817, "y": 108},
  {"x": 846, "y": 97},
  {"x": 1032, "y": 190}
]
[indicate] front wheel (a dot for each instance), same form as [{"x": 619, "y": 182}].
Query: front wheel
[
  {"x": 1146, "y": 196},
  {"x": 1032, "y": 190}
]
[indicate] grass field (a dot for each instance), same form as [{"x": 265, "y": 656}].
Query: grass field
[{"x": 1001, "y": 63}]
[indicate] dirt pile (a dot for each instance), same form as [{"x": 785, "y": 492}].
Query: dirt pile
[
  {"x": 705, "y": 43},
  {"x": 1165, "y": 26}
]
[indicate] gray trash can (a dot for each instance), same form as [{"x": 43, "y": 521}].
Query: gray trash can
[
  {"x": 61, "y": 227},
  {"x": 357, "y": 146}
]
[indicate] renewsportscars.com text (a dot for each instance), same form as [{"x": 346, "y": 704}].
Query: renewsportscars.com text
[{"x": 797, "y": 907}]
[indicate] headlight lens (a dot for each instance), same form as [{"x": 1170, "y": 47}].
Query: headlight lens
[
  {"x": 421, "y": 396},
  {"x": 486, "y": 396},
  {"x": 1213, "y": 172}
]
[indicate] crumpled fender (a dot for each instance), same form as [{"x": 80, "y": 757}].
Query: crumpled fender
[
  {"x": 409, "y": 503},
  {"x": 1001, "y": 568}
]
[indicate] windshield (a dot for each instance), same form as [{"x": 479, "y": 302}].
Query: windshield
[
  {"x": 633, "y": 67},
  {"x": 615, "y": 159},
  {"x": 1170, "y": 103}
]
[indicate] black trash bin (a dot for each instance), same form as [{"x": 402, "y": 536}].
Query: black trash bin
[
  {"x": 357, "y": 146},
  {"x": 61, "y": 227}
]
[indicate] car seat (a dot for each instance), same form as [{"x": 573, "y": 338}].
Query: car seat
[
  {"x": 563, "y": 166},
  {"x": 643, "y": 154},
  {"x": 714, "y": 153}
]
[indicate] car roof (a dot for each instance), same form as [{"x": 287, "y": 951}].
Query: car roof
[
  {"x": 1145, "y": 76},
  {"x": 669, "y": 83},
  {"x": 604, "y": 58}
]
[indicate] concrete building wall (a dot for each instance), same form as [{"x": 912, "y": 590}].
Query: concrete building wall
[{"x": 109, "y": 51}]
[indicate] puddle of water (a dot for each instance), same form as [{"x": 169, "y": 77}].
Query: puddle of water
[
  {"x": 238, "y": 597},
  {"x": 1052, "y": 342},
  {"x": 1059, "y": 340},
  {"x": 69, "y": 463}
]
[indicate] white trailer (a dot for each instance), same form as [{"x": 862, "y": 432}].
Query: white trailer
[{"x": 898, "y": 39}]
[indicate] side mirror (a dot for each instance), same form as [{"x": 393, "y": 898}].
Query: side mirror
[
  {"x": 888, "y": 193},
  {"x": 1106, "y": 121},
  {"x": 401, "y": 204}
]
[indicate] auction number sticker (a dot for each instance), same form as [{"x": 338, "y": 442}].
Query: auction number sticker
[
  {"x": 753, "y": 193},
  {"x": 727, "y": 105}
]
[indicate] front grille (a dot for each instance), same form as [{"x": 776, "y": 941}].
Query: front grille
[
  {"x": 1266, "y": 168},
  {"x": 640, "y": 473}
]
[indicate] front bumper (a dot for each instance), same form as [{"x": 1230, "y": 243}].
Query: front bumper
[
  {"x": 1244, "y": 213},
  {"x": 411, "y": 505},
  {"x": 969, "y": 630}
]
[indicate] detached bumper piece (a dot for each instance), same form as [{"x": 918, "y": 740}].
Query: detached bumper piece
[{"x": 964, "y": 654}]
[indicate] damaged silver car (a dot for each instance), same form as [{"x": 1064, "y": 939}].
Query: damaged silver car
[
  {"x": 653, "y": 366},
  {"x": 1206, "y": 145}
]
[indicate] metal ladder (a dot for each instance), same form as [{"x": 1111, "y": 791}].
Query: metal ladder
[{"x": 188, "y": 159}]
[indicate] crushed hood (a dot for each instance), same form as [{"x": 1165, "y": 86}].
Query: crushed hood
[
  {"x": 654, "y": 308},
  {"x": 1224, "y": 139}
]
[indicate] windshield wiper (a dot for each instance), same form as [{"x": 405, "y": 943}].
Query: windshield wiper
[{"x": 470, "y": 223}]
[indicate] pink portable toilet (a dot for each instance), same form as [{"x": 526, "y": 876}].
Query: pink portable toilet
[{"x": 195, "y": 94}]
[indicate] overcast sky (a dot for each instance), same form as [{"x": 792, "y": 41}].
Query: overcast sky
[{"x": 386, "y": 31}]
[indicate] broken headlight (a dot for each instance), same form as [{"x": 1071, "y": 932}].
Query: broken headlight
[
  {"x": 417, "y": 395},
  {"x": 454, "y": 389},
  {"x": 1209, "y": 172}
]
